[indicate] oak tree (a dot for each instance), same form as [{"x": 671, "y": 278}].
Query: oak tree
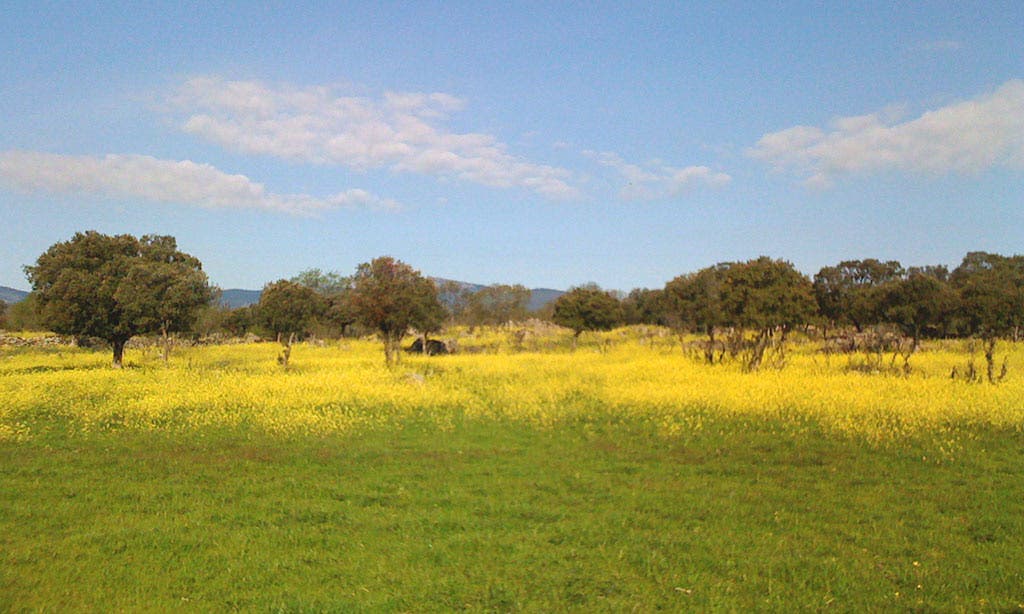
[
  {"x": 116, "y": 287},
  {"x": 391, "y": 297},
  {"x": 848, "y": 292},
  {"x": 919, "y": 303},
  {"x": 497, "y": 304},
  {"x": 287, "y": 310},
  {"x": 694, "y": 303},
  {"x": 768, "y": 296},
  {"x": 586, "y": 308},
  {"x": 991, "y": 294}
]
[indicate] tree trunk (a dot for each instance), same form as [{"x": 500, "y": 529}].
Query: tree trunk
[
  {"x": 118, "y": 346},
  {"x": 709, "y": 351},
  {"x": 286, "y": 353},
  {"x": 990, "y": 359},
  {"x": 759, "y": 348},
  {"x": 167, "y": 342},
  {"x": 392, "y": 350}
]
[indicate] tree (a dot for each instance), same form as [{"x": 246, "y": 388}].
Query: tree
[
  {"x": 847, "y": 293},
  {"x": 497, "y": 304},
  {"x": 24, "y": 315},
  {"x": 921, "y": 301},
  {"x": 325, "y": 284},
  {"x": 335, "y": 289},
  {"x": 454, "y": 296},
  {"x": 3, "y": 314},
  {"x": 694, "y": 302},
  {"x": 239, "y": 321},
  {"x": 156, "y": 293},
  {"x": 767, "y": 296},
  {"x": 586, "y": 308},
  {"x": 644, "y": 306},
  {"x": 116, "y": 287},
  {"x": 991, "y": 294},
  {"x": 391, "y": 297},
  {"x": 288, "y": 309}
]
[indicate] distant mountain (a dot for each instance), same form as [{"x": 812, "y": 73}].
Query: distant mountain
[
  {"x": 235, "y": 298},
  {"x": 11, "y": 296}
]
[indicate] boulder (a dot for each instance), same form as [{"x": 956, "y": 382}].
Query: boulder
[{"x": 435, "y": 347}]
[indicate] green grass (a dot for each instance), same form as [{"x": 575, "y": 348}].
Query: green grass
[{"x": 596, "y": 515}]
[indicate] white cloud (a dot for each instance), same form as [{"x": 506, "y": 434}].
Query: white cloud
[
  {"x": 970, "y": 136},
  {"x": 657, "y": 180},
  {"x": 171, "y": 181},
  {"x": 401, "y": 131}
]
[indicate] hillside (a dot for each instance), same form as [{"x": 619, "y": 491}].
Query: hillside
[
  {"x": 11, "y": 295},
  {"x": 235, "y": 298}
]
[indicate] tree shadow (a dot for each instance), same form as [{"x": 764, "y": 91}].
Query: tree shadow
[{"x": 51, "y": 369}]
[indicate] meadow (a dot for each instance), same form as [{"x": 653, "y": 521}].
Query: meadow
[{"x": 515, "y": 475}]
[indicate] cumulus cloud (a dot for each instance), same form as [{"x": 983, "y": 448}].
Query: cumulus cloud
[
  {"x": 970, "y": 136},
  {"x": 401, "y": 131},
  {"x": 171, "y": 181},
  {"x": 657, "y": 180}
]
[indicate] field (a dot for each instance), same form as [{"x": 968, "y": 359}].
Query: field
[{"x": 515, "y": 475}]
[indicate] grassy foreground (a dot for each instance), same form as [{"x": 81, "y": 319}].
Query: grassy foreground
[{"x": 438, "y": 488}]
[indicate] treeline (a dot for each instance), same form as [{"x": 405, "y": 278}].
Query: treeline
[
  {"x": 116, "y": 287},
  {"x": 328, "y": 311},
  {"x": 981, "y": 298}
]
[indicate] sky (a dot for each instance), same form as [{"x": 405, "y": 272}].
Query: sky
[{"x": 548, "y": 144}]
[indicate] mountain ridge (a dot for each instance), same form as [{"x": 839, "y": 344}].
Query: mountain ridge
[{"x": 12, "y": 295}]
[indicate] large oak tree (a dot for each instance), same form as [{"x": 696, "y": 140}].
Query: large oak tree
[{"x": 117, "y": 287}]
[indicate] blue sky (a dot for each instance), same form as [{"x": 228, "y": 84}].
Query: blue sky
[{"x": 548, "y": 144}]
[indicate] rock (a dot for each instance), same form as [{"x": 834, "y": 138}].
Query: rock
[{"x": 435, "y": 347}]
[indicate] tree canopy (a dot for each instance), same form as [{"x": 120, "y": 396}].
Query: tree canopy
[
  {"x": 116, "y": 287},
  {"x": 919, "y": 302},
  {"x": 848, "y": 292},
  {"x": 587, "y": 308},
  {"x": 288, "y": 308},
  {"x": 335, "y": 289},
  {"x": 325, "y": 284},
  {"x": 496, "y": 304},
  {"x": 991, "y": 293},
  {"x": 391, "y": 297},
  {"x": 694, "y": 302},
  {"x": 763, "y": 294}
]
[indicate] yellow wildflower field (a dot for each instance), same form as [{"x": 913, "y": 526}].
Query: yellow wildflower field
[{"x": 343, "y": 386}]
